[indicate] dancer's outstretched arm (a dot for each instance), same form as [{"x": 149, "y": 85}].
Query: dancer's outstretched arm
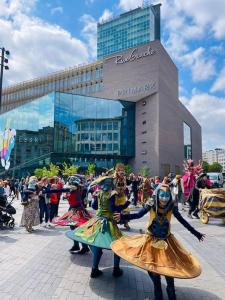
[
  {"x": 179, "y": 217},
  {"x": 126, "y": 217}
]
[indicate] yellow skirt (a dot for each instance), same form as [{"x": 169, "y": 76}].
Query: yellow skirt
[{"x": 173, "y": 261}]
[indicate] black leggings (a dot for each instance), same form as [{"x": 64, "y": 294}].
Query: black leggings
[{"x": 156, "y": 279}]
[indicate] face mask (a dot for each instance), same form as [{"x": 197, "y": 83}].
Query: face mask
[{"x": 164, "y": 196}]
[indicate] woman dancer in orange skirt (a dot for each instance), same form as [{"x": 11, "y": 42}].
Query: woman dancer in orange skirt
[{"x": 158, "y": 251}]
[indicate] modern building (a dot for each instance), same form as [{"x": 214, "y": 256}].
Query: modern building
[
  {"x": 130, "y": 29},
  {"x": 143, "y": 80},
  {"x": 216, "y": 155}
]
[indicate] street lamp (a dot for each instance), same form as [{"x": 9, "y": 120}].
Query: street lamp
[{"x": 4, "y": 60}]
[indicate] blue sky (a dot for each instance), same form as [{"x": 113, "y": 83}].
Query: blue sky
[{"x": 45, "y": 36}]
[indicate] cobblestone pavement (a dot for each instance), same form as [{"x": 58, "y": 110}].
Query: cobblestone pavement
[{"x": 39, "y": 266}]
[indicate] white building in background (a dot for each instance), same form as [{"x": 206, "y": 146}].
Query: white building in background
[{"x": 216, "y": 155}]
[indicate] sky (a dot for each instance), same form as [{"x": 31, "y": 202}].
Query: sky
[{"x": 44, "y": 36}]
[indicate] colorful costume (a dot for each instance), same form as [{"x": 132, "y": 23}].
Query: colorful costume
[
  {"x": 101, "y": 230},
  {"x": 146, "y": 191},
  {"x": 77, "y": 214},
  {"x": 120, "y": 185},
  {"x": 74, "y": 217},
  {"x": 158, "y": 251}
]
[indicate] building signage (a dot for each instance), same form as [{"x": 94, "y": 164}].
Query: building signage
[
  {"x": 30, "y": 139},
  {"x": 133, "y": 91},
  {"x": 133, "y": 56}
]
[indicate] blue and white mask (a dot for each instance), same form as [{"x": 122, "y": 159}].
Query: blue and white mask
[{"x": 164, "y": 196}]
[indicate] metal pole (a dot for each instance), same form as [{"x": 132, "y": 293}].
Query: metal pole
[{"x": 1, "y": 77}]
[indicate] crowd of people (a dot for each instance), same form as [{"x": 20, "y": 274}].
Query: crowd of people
[
  {"x": 138, "y": 189},
  {"x": 111, "y": 195}
]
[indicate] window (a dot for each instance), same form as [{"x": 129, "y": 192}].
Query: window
[
  {"x": 187, "y": 141},
  {"x": 144, "y": 132},
  {"x": 143, "y": 142},
  {"x": 144, "y": 122},
  {"x": 144, "y": 102}
]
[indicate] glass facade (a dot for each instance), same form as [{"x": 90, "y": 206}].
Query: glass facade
[
  {"x": 84, "y": 81},
  {"x": 136, "y": 27},
  {"x": 187, "y": 141},
  {"x": 66, "y": 127}
]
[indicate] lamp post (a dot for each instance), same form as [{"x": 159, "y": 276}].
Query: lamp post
[{"x": 4, "y": 60}]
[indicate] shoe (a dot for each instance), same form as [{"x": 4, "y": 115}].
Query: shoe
[
  {"x": 189, "y": 216},
  {"x": 74, "y": 249},
  {"x": 83, "y": 251},
  {"x": 117, "y": 272},
  {"x": 96, "y": 273},
  {"x": 51, "y": 225},
  {"x": 194, "y": 216},
  {"x": 126, "y": 226}
]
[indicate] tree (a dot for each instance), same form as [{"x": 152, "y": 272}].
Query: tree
[
  {"x": 38, "y": 172},
  {"x": 69, "y": 170},
  {"x": 145, "y": 171},
  {"x": 91, "y": 169},
  {"x": 50, "y": 171},
  {"x": 215, "y": 167},
  {"x": 128, "y": 169},
  {"x": 205, "y": 166}
]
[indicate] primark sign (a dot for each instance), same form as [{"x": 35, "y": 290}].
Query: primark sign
[
  {"x": 137, "y": 90},
  {"x": 134, "y": 55}
]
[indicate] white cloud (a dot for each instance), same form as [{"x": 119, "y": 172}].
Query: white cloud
[
  {"x": 107, "y": 14},
  {"x": 36, "y": 47},
  {"x": 201, "y": 67},
  {"x": 89, "y": 32},
  {"x": 219, "y": 84},
  {"x": 129, "y": 4},
  {"x": 210, "y": 113},
  {"x": 57, "y": 10}
]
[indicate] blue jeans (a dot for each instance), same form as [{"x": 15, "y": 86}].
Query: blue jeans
[
  {"x": 44, "y": 210},
  {"x": 97, "y": 254}
]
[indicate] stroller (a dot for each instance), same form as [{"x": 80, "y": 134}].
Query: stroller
[{"x": 6, "y": 212}]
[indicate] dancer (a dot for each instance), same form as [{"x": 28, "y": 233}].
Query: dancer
[
  {"x": 158, "y": 251},
  {"x": 101, "y": 230},
  {"x": 77, "y": 214},
  {"x": 120, "y": 185}
]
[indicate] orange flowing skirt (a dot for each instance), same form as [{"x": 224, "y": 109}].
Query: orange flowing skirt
[{"x": 173, "y": 261}]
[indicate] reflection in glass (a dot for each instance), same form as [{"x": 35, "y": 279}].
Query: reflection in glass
[
  {"x": 187, "y": 141},
  {"x": 66, "y": 127}
]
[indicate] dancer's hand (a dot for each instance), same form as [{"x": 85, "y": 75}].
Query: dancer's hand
[
  {"x": 201, "y": 237},
  {"x": 117, "y": 217}
]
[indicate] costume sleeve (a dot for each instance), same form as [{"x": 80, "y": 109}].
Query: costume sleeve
[
  {"x": 117, "y": 208},
  {"x": 179, "y": 217},
  {"x": 49, "y": 191},
  {"x": 94, "y": 203},
  {"x": 137, "y": 215}
]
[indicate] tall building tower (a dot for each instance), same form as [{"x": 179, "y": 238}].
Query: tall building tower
[{"x": 130, "y": 29}]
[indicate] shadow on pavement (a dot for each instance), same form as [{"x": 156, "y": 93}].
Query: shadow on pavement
[
  {"x": 48, "y": 231},
  {"x": 7, "y": 239},
  {"x": 136, "y": 284}
]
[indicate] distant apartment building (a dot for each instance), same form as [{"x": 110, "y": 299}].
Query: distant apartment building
[{"x": 216, "y": 155}]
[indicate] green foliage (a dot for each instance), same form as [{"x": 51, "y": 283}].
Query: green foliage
[
  {"x": 128, "y": 169},
  {"x": 38, "y": 173},
  {"x": 91, "y": 169},
  {"x": 145, "y": 171},
  {"x": 205, "y": 166},
  {"x": 215, "y": 167},
  {"x": 51, "y": 171},
  {"x": 69, "y": 170}
]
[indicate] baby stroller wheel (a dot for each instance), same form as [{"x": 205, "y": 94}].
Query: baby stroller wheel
[{"x": 11, "y": 224}]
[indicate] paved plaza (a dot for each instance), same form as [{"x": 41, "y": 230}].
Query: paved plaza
[{"x": 39, "y": 266}]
